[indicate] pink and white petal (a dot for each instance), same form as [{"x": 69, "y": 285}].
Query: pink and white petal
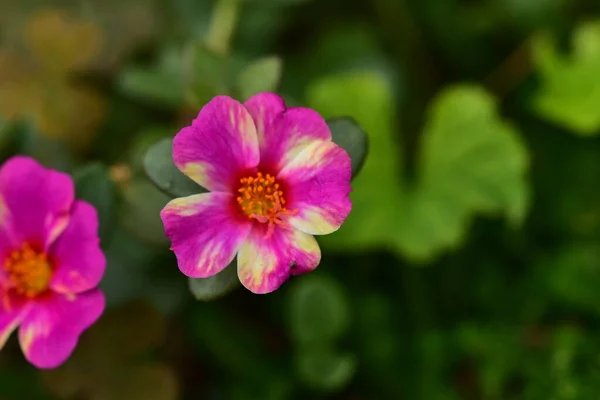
[
  {"x": 205, "y": 232},
  {"x": 318, "y": 186},
  {"x": 51, "y": 328},
  {"x": 265, "y": 263},
  {"x": 37, "y": 199},
  {"x": 11, "y": 315},
  {"x": 220, "y": 144},
  {"x": 80, "y": 262},
  {"x": 283, "y": 133}
]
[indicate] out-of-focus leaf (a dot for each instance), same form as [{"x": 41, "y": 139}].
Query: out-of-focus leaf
[
  {"x": 348, "y": 135},
  {"x": 261, "y": 75},
  {"x": 471, "y": 161},
  {"x": 107, "y": 365},
  {"x": 570, "y": 89},
  {"x": 367, "y": 98},
  {"x": 162, "y": 171},
  {"x": 153, "y": 85},
  {"x": 325, "y": 370},
  {"x": 140, "y": 211},
  {"x": 207, "y": 289},
  {"x": 53, "y": 153},
  {"x": 94, "y": 185},
  {"x": 318, "y": 310},
  {"x": 205, "y": 74},
  {"x": 573, "y": 276}
]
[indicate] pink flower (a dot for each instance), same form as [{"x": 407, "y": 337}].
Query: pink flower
[
  {"x": 50, "y": 262},
  {"x": 275, "y": 180}
]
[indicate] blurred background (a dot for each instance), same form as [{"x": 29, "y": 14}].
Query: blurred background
[{"x": 469, "y": 267}]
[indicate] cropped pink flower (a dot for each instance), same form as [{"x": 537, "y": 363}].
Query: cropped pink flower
[
  {"x": 275, "y": 180},
  {"x": 50, "y": 262}
]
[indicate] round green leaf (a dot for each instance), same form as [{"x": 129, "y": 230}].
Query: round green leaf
[
  {"x": 325, "y": 370},
  {"x": 161, "y": 170},
  {"x": 262, "y": 75},
  {"x": 153, "y": 85},
  {"x": 318, "y": 310},
  {"x": 207, "y": 289},
  {"x": 570, "y": 85},
  {"x": 94, "y": 185},
  {"x": 348, "y": 135}
]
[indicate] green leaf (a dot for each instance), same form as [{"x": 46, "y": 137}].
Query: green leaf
[
  {"x": 140, "y": 211},
  {"x": 207, "y": 289},
  {"x": 471, "y": 162},
  {"x": 94, "y": 185},
  {"x": 161, "y": 170},
  {"x": 570, "y": 85},
  {"x": 348, "y": 135},
  {"x": 205, "y": 76},
  {"x": 324, "y": 369},
  {"x": 367, "y": 98},
  {"x": 262, "y": 75},
  {"x": 318, "y": 310},
  {"x": 153, "y": 85},
  {"x": 573, "y": 276}
]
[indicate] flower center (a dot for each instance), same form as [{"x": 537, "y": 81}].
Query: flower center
[
  {"x": 29, "y": 271},
  {"x": 261, "y": 198}
]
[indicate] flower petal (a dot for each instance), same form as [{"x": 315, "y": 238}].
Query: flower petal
[
  {"x": 51, "y": 328},
  {"x": 80, "y": 263},
  {"x": 37, "y": 199},
  {"x": 283, "y": 133},
  {"x": 265, "y": 263},
  {"x": 204, "y": 231},
  {"x": 219, "y": 145},
  {"x": 318, "y": 185},
  {"x": 11, "y": 315}
]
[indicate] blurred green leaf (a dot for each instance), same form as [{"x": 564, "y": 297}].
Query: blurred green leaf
[
  {"x": 324, "y": 369},
  {"x": 262, "y": 75},
  {"x": 471, "y": 161},
  {"x": 94, "y": 185},
  {"x": 140, "y": 211},
  {"x": 573, "y": 276},
  {"x": 153, "y": 85},
  {"x": 318, "y": 310},
  {"x": 53, "y": 153},
  {"x": 367, "y": 98},
  {"x": 348, "y": 135},
  {"x": 164, "y": 174},
  {"x": 206, "y": 75},
  {"x": 207, "y": 289},
  {"x": 570, "y": 89}
]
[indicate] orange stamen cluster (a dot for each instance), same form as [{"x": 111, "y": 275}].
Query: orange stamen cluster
[
  {"x": 260, "y": 197},
  {"x": 29, "y": 271}
]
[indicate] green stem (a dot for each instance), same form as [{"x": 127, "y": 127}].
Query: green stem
[{"x": 222, "y": 26}]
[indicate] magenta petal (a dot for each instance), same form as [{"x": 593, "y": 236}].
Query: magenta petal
[
  {"x": 318, "y": 183},
  {"x": 283, "y": 133},
  {"x": 204, "y": 232},
  {"x": 10, "y": 318},
  {"x": 50, "y": 329},
  {"x": 219, "y": 145},
  {"x": 265, "y": 263},
  {"x": 37, "y": 200},
  {"x": 79, "y": 261}
]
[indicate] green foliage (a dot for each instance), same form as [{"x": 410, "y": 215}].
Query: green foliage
[
  {"x": 94, "y": 185},
  {"x": 470, "y": 162},
  {"x": 570, "y": 91},
  {"x": 207, "y": 289},
  {"x": 261, "y": 75}
]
